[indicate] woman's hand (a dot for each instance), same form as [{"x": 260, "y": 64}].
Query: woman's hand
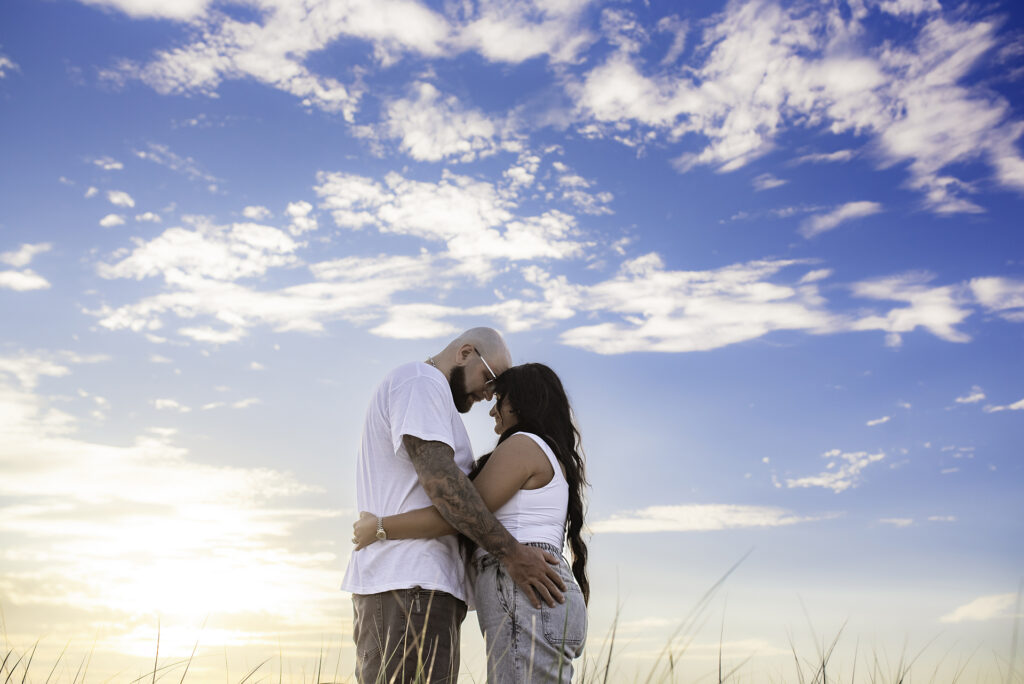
[{"x": 364, "y": 530}]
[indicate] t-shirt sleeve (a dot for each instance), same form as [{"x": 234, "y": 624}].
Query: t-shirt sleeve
[{"x": 421, "y": 407}]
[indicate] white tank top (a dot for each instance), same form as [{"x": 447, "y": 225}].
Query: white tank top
[{"x": 537, "y": 515}]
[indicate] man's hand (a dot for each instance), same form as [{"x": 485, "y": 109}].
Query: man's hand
[
  {"x": 459, "y": 503},
  {"x": 364, "y": 530},
  {"x": 536, "y": 573}
]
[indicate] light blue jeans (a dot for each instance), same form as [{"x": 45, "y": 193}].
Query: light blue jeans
[{"x": 527, "y": 644}]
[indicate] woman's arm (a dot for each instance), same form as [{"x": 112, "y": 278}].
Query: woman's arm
[
  {"x": 423, "y": 523},
  {"x": 513, "y": 462}
]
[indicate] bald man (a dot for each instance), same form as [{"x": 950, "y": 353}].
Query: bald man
[{"x": 409, "y": 595}]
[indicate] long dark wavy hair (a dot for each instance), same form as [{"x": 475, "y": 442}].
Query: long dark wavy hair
[{"x": 537, "y": 397}]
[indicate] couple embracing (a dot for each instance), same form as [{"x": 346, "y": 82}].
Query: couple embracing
[{"x": 438, "y": 531}]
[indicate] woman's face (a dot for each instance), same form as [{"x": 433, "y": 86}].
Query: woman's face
[{"x": 504, "y": 416}]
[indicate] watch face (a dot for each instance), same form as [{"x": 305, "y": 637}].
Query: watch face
[{"x": 381, "y": 534}]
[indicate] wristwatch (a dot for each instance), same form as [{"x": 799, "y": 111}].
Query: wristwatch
[{"x": 381, "y": 534}]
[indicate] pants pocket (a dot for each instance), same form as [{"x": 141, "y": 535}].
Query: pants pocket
[{"x": 565, "y": 625}]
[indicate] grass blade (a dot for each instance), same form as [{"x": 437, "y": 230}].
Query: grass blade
[
  {"x": 29, "y": 663},
  {"x": 157, "y": 657},
  {"x": 13, "y": 668},
  {"x": 253, "y": 671},
  {"x": 54, "y": 668},
  {"x": 1016, "y": 633}
]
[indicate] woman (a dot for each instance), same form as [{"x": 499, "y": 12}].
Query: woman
[{"x": 533, "y": 482}]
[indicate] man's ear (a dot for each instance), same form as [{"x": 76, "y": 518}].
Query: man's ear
[{"x": 464, "y": 354}]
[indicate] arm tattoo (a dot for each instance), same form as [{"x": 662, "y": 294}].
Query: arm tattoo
[{"x": 455, "y": 497}]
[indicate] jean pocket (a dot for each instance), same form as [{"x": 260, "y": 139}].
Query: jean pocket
[{"x": 565, "y": 625}]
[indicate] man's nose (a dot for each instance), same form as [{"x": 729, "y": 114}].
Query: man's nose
[{"x": 488, "y": 393}]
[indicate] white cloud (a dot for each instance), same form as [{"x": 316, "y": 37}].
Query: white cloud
[
  {"x": 523, "y": 172},
  {"x": 239, "y": 250},
  {"x": 149, "y": 217},
  {"x": 697, "y": 518},
  {"x": 256, "y": 366},
  {"x": 27, "y": 368},
  {"x": 767, "y": 181},
  {"x": 678, "y": 28},
  {"x": 621, "y": 28},
  {"x": 937, "y": 309},
  {"x": 910, "y": 7},
  {"x": 418, "y": 321},
  {"x": 842, "y": 472},
  {"x": 763, "y": 68},
  {"x": 897, "y": 522},
  {"x": 574, "y": 190},
  {"x": 824, "y": 222},
  {"x": 169, "y": 405},
  {"x": 431, "y": 126},
  {"x": 594, "y": 204},
  {"x": 816, "y": 275},
  {"x": 164, "y": 156},
  {"x": 24, "y": 255},
  {"x": 256, "y": 213},
  {"x": 473, "y": 218},
  {"x": 205, "y": 333},
  {"x": 1000, "y": 295},
  {"x": 617, "y": 90},
  {"x": 6, "y": 65},
  {"x": 879, "y": 421},
  {"x": 826, "y": 157},
  {"x": 274, "y": 50},
  {"x": 515, "y": 32},
  {"x": 475, "y": 223},
  {"x": 976, "y": 395},
  {"x": 240, "y": 404},
  {"x": 108, "y": 164},
  {"x": 983, "y": 608},
  {"x": 1015, "y": 406},
  {"x": 73, "y": 505},
  {"x": 301, "y": 221},
  {"x": 120, "y": 198},
  {"x": 23, "y": 281},
  {"x": 645, "y": 306},
  {"x": 572, "y": 180},
  {"x": 26, "y": 279},
  {"x": 200, "y": 268},
  {"x": 180, "y": 10},
  {"x": 91, "y": 192},
  {"x": 111, "y": 220},
  {"x": 942, "y": 518},
  {"x": 664, "y": 310}
]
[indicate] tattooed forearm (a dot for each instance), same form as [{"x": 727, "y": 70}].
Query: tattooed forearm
[{"x": 455, "y": 497}]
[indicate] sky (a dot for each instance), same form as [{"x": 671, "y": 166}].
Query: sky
[{"x": 773, "y": 249}]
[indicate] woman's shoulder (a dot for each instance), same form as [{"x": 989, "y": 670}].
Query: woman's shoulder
[
  {"x": 529, "y": 451},
  {"x": 521, "y": 445}
]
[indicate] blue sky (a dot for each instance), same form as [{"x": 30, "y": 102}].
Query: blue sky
[{"x": 773, "y": 250}]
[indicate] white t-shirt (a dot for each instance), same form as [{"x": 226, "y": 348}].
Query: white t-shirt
[{"x": 414, "y": 399}]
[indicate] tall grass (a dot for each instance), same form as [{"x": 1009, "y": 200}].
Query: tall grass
[{"x": 599, "y": 665}]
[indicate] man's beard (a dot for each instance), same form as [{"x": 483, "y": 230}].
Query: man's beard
[{"x": 462, "y": 398}]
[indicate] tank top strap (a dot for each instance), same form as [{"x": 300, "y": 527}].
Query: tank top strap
[{"x": 551, "y": 457}]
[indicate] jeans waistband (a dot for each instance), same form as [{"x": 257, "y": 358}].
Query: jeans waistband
[{"x": 488, "y": 560}]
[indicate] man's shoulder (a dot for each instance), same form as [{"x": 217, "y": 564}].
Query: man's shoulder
[{"x": 414, "y": 371}]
